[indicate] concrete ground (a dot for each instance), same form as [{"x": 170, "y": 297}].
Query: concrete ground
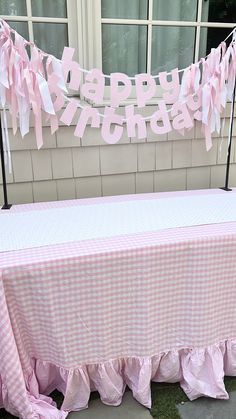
[
  {"x": 202, "y": 408},
  {"x": 129, "y": 409}
]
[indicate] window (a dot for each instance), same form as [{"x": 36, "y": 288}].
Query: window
[
  {"x": 50, "y": 23},
  {"x": 130, "y": 36},
  {"x": 157, "y": 35}
]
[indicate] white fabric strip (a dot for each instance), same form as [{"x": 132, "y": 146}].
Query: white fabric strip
[{"x": 60, "y": 225}]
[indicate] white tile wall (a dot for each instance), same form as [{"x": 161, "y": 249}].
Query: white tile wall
[
  {"x": 198, "y": 177},
  {"x": 20, "y": 193},
  {"x": 232, "y": 176},
  {"x": 69, "y": 167},
  {"x": 118, "y": 184},
  {"x": 49, "y": 140},
  {"x": 19, "y": 143},
  {"x": 151, "y": 136},
  {"x": 45, "y": 191},
  {"x": 88, "y": 187},
  {"x": 93, "y": 137},
  {"x": 86, "y": 161},
  {"x": 42, "y": 164},
  {"x": 223, "y": 150},
  {"x": 201, "y": 157},
  {"x": 66, "y": 138},
  {"x": 182, "y": 153},
  {"x": 145, "y": 182},
  {"x": 22, "y": 166},
  {"x": 175, "y": 135},
  {"x": 218, "y": 174},
  {"x": 164, "y": 155},
  {"x": 170, "y": 180},
  {"x": 146, "y": 157},
  {"x": 62, "y": 163},
  {"x": 118, "y": 159},
  {"x": 66, "y": 189},
  {"x": 9, "y": 176}
]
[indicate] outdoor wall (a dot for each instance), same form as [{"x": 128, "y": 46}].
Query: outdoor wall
[{"x": 68, "y": 167}]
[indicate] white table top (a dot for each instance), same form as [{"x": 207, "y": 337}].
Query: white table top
[{"x": 35, "y": 228}]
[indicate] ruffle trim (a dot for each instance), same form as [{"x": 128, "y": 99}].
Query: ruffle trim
[{"x": 200, "y": 373}]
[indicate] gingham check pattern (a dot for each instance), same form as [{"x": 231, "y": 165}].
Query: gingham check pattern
[{"x": 96, "y": 300}]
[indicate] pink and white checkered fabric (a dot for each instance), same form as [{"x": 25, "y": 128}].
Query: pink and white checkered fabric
[{"x": 99, "y": 314}]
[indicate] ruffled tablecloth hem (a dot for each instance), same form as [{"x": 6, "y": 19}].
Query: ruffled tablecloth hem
[{"x": 200, "y": 373}]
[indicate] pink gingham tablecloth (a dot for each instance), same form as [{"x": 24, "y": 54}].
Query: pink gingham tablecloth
[{"x": 100, "y": 314}]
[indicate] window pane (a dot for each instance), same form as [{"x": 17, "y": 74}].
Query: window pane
[
  {"x": 16, "y": 7},
  {"x": 51, "y": 37},
  {"x": 46, "y": 8},
  {"x": 20, "y": 27},
  {"x": 124, "y": 49},
  {"x": 172, "y": 47},
  {"x": 211, "y": 38},
  {"x": 123, "y": 9},
  {"x": 175, "y": 10},
  {"x": 219, "y": 11}
]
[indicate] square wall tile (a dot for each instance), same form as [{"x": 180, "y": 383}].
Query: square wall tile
[
  {"x": 218, "y": 176},
  {"x": 9, "y": 176},
  {"x": 182, "y": 153},
  {"x": 199, "y": 130},
  {"x": 118, "y": 184},
  {"x": 198, "y": 178},
  {"x": 66, "y": 189},
  {"x": 66, "y": 138},
  {"x": 164, "y": 155},
  {"x": 151, "y": 136},
  {"x": 144, "y": 182},
  {"x": 93, "y": 136},
  {"x": 118, "y": 159},
  {"x": 49, "y": 140},
  {"x": 62, "y": 163},
  {"x": 86, "y": 161},
  {"x": 45, "y": 191},
  {"x": 146, "y": 157},
  {"x": 20, "y": 193},
  {"x": 19, "y": 143},
  {"x": 42, "y": 165},
  {"x": 22, "y": 166},
  {"x": 225, "y": 122},
  {"x": 232, "y": 176},
  {"x": 201, "y": 157},
  {"x": 175, "y": 135},
  {"x": 170, "y": 180},
  {"x": 88, "y": 187},
  {"x": 223, "y": 150}
]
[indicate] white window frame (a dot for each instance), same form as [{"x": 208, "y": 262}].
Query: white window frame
[
  {"x": 73, "y": 21},
  {"x": 92, "y": 33},
  {"x": 94, "y": 23}
]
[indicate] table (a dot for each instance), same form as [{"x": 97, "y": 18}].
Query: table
[{"x": 97, "y": 294}]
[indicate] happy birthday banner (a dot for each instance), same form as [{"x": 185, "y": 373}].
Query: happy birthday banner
[{"x": 38, "y": 84}]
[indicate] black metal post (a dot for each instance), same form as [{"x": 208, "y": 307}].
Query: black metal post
[
  {"x": 4, "y": 183},
  {"x": 226, "y": 187}
]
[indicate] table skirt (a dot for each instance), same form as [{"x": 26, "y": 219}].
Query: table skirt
[{"x": 118, "y": 311}]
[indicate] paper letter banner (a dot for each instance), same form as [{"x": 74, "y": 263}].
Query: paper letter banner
[{"x": 38, "y": 85}]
